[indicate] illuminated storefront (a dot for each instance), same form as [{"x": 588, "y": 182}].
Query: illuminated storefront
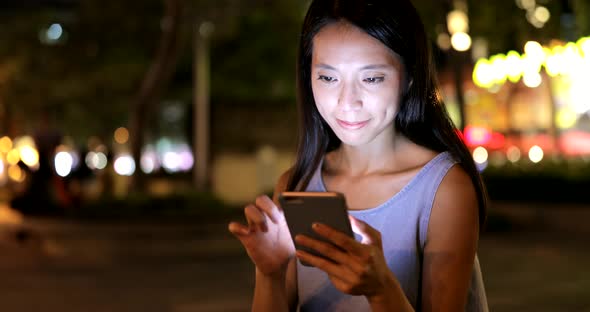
[{"x": 535, "y": 103}]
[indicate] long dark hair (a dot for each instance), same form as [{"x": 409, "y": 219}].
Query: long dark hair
[{"x": 421, "y": 117}]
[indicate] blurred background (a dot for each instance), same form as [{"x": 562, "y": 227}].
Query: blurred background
[{"x": 131, "y": 132}]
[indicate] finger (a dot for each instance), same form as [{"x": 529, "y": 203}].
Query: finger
[
  {"x": 238, "y": 229},
  {"x": 369, "y": 235},
  {"x": 268, "y": 206},
  {"x": 338, "y": 238},
  {"x": 330, "y": 251},
  {"x": 256, "y": 218},
  {"x": 333, "y": 269}
]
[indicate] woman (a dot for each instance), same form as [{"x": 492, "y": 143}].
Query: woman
[{"x": 372, "y": 127}]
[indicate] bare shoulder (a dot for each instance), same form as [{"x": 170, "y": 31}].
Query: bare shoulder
[{"x": 455, "y": 208}]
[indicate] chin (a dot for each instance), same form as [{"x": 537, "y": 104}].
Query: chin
[{"x": 352, "y": 141}]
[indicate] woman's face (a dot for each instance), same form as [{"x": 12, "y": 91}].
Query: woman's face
[{"x": 356, "y": 82}]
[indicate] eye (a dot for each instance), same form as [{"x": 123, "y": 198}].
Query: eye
[
  {"x": 374, "y": 79},
  {"x": 327, "y": 79}
]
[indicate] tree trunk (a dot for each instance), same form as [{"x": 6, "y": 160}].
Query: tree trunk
[{"x": 154, "y": 83}]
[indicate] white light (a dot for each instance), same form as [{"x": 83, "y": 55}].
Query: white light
[
  {"x": 530, "y": 16},
  {"x": 171, "y": 161},
  {"x": 536, "y": 154},
  {"x": 149, "y": 160},
  {"x": 124, "y": 165},
  {"x": 528, "y": 4},
  {"x": 532, "y": 79},
  {"x": 513, "y": 154},
  {"x": 54, "y": 32},
  {"x": 29, "y": 156},
  {"x": 457, "y": 21},
  {"x": 542, "y": 14},
  {"x": 3, "y": 177},
  {"x": 534, "y": 51},
  {"x": 90, "y": 160},
  {"x": 480, "y": 155},
  {"x": 147, "y": 164},
  {"x": 63, "y": 163},
  {"x": 461, "y": 41},
  {"x": 96, "y": 160}
]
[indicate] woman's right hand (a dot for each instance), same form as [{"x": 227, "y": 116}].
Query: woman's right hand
[{"x": 266, "y": 238}]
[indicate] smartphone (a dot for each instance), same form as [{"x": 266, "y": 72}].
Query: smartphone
[{"x": 302, "y": 209}]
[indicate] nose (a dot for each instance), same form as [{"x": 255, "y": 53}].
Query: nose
[{"x": 349, "y": 99}]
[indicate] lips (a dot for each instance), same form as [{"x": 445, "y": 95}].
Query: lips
[{"x": 352, "y": 125}]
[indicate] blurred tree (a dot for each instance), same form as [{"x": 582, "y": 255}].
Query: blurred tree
[
  {"x": 155, "y": 81},
  {"x": 89, "y": 76}
]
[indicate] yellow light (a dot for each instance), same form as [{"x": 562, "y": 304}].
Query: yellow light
[
  {"x": 483, "y": 75},
  {"x": 121, "y": 135},
  {"x": 531, "y": 63},
  {"x": 513, "y": 66},
  {"x": 499, "y": 68},
  {"x": 542, "y": 14},
  {"x": 528, "y": 4},
  {"x": 16, "y": 174},
  {"x": 461, "y": 41},
  {"x": 13, "y": 157},
  {"x": 480, "y": 155},
  {"x": 553, "y": 65},
  {"x": 536, "y": 154},
  {"x": 5, "y": 144},
  {"x": 29, "y": 156},
  {"x": 566, "y": 118},
  {"x": 584, "y": 46},
  {"x": 513, "y": 154},
  {"x": 457, "y": 21}
]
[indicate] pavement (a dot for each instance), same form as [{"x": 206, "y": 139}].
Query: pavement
[{"x": 534, "y": 258}]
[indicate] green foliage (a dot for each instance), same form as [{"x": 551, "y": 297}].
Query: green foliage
[
  {"x": 90, "y": 77},
  {"x": 256, "y": 63}
]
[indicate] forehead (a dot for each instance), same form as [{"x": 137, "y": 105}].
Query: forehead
[{"x": 343, "y": 42}]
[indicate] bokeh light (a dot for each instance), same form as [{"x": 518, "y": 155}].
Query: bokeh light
[
  {"x": 513, "y": 154},
  {"x": 461, "y": 41},
  {"x": 536, "y": 154},
  {"x": 480, "y": 155},
  {"x": 63, "y": 163},
  {"x": 121, "y": 135},
  {"x": 124, "y": 165}
]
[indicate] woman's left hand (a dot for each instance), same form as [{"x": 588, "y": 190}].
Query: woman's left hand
[{"x": 355, "y": 268}]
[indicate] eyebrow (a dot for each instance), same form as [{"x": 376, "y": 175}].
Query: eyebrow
[{"x": 371, "y": 66}]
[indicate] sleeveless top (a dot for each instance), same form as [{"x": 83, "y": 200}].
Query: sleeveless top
[{"x": 403, "y": 223}]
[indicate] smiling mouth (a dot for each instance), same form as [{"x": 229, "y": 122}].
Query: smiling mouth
[{"x": 352, "y": 125}]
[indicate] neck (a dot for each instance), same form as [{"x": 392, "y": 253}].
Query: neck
[{"x": 369, "y": 159}]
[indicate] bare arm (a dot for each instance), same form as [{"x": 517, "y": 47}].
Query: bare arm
[
  {"x": 451, "y": 244},
  {"x": 277, "y": 292}
]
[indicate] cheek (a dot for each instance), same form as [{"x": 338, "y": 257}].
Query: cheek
[{"x": 322, "y": 100}]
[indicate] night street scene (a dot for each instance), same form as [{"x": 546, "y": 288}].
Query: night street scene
[{"x": 133, "y": 132}]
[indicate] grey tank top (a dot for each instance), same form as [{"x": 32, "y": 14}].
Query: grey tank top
[{"x": 403, "y": 223}]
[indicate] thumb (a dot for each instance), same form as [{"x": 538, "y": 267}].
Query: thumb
[{"x": 369, "y": 235}]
